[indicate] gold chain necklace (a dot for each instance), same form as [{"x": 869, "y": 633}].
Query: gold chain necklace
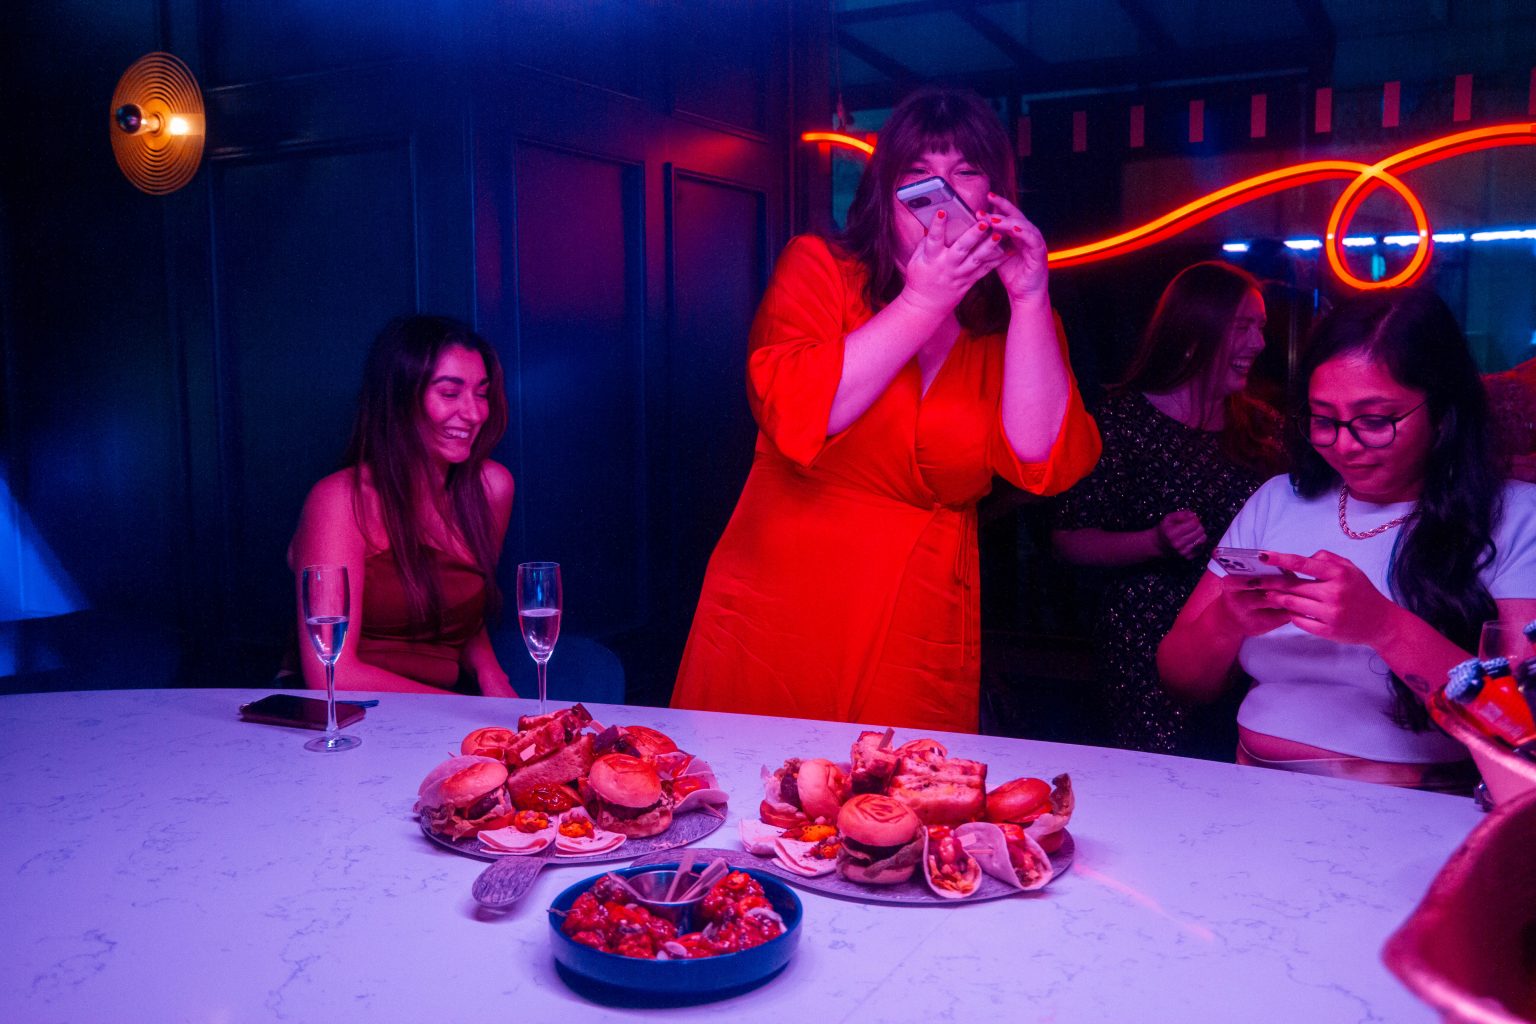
[{"x": 1383, "y": 528}]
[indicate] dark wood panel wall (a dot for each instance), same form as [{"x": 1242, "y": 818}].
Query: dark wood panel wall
[{"x": 601, "y": 188}]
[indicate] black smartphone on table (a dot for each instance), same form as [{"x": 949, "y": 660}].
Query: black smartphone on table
[{"x": 297, "y": 712}]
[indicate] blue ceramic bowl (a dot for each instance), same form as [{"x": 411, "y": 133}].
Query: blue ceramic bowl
[{"x": 684, "y": 979}]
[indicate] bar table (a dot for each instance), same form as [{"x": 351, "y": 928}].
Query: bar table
[{"x": 164, "y": 861}]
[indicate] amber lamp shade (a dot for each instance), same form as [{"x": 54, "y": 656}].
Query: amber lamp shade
[{"x": 157, "y": 124}]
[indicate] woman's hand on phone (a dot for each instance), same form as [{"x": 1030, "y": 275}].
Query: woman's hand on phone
[
  {"x": 1338, "y": 603},
  {"x": 948, "y": 261},
  {"x": 1023, "y": 269},
  {"x": 1249, "y": 605}
]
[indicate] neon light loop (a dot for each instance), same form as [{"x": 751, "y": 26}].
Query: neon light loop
[{"x": 1365, "y": 179}]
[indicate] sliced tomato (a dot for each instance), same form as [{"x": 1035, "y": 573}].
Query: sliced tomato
[{"x": 778, "y": 818}]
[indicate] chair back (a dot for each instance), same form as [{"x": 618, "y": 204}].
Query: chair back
[
  {"x": 1469, "y": 949},
  {"x": 581, "y": 669}
]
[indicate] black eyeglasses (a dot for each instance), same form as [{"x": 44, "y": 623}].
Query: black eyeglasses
[{"x": 1372, "y": 430}]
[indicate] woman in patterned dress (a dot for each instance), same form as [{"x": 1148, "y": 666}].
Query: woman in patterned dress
[{"x": 1183, "y": 449}]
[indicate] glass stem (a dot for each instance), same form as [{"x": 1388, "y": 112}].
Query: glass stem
[
  {"x": 330, "y": 699},
  {"x": 543, "y": 683}
]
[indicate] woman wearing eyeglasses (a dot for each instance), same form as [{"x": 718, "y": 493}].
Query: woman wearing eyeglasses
[{"x": 1396, "y": 539}]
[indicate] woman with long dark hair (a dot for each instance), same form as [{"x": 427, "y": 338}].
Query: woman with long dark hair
[
  {"x": 1397, "y": 538},
  {"x": 418, "y": 515},
  {"x": 892, "y": 373},
  {"x": 1184, "y": 447}
]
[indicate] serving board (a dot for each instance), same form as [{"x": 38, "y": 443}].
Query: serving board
[
  {"x": 909, "y": 893},
  {"x": 686, "y": 828}
]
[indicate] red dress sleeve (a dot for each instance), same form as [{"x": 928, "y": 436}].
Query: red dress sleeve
[
  {"x": 1073, "y": 454},
  {"x": 795, "y": 351}
]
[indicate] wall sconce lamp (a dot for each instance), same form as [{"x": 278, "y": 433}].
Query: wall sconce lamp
[{"x": 157, "y": 124}]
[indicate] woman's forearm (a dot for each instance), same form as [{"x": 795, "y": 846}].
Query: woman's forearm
[
  {"x": 352, "y": 674},
  {"x": 1035, "y": 379},
  {"x": 1416, "y": 652},
  {"x": 1195, "y": 659},
  {"x": 479, "y": 658},
  {"x": 876, "y": 352},
  {"x": 1092, "y": 546}
]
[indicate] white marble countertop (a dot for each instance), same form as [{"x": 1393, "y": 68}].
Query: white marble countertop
[{"x": 163, "y": 861}]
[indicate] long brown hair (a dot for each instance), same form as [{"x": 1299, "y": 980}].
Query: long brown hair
[
  {"x": 1184, "y": 342},
  {"x": 1439, "y": 555},
  {"x": 930, "y": 120},
  {"x": 387, "y": 442}
]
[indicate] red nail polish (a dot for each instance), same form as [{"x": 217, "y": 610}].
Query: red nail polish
[
  {"x": 997, "y": 238},
  {"x": 997, "y": 220},
  {"x": 1016, "y": 228},
  {"x": 981, "y": 227},
  {"x": 941, "y": 215}
]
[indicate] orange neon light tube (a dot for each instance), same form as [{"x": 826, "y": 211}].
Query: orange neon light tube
[
  {"x": 838, "y": 138},
  {"x": 1364, "y": 180}
]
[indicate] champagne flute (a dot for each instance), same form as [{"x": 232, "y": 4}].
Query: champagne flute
[
  {"x": 327, "y": 603},
  {"x": 538, "y": 613},
  {"x": 1503, "y": 638}
]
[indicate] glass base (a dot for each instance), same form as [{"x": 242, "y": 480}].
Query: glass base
[{"x": 339, "y": 741}]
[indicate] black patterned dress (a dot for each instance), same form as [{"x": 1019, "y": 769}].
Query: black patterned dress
[{"x": 1152, "y": 465}]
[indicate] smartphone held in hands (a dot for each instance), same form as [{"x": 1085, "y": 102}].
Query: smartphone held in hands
[
  {"x": 924, "y": 199},
  {"x": 299, "y": 712},
  {"x": 1245, "y": 562}
]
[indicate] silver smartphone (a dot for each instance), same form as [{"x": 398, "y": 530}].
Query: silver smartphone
[
  {"x": 924, "y": 199},
  {"x": 1245, "y": 562}
]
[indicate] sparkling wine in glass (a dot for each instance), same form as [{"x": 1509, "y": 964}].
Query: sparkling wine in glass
[
  {"x": 538, "y": 613},
  {"x": 327, "y": 601}
]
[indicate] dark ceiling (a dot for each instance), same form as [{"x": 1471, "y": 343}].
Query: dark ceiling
[{"x": 1044, "y": 48}]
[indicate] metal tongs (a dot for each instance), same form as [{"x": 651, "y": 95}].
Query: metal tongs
[{"x": 716, "y": 870}]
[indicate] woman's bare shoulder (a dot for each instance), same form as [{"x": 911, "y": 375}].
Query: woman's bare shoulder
[
  {"x": 336, "y": 491},
  {"x": 346, "y": 500},
  {"x": 498, "y": 482}
]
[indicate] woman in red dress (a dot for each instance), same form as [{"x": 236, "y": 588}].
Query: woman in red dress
[{"x": 893, "y": 373}]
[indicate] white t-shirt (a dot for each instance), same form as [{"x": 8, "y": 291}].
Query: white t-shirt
[{"x": 1339, "y": 696}]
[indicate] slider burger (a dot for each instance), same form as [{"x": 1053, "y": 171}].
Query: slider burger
[
  {"x": 624, "y": 795},
  {"x": 803, "y": 791},
  {"x": 882, "y": 840},
  {"x": 1035, "y": 807},
  {"x": 643, "y": 741},
  {"x": 463, "y": 795},
  {"x": 491, "y": 741}
]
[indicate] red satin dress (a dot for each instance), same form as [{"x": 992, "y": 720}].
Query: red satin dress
[
  {"x": 845, "y": 587},
  {"x": 389, "y": 641}
]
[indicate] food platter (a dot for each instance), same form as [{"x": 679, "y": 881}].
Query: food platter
[
  {"x": 910, "y": 893},
  {"x": 620, "y": 980},
  {"x": 686, "y": 828}
]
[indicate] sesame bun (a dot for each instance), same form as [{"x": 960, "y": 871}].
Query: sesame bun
[{"x": 625, "y": 781}]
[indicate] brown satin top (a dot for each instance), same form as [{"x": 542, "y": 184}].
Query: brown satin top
[{"x": 388, "y": 640}]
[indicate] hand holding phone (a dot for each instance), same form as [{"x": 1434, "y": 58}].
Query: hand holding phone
[
  {"x": 1245, "y": 562},
  {"x": 924, "y": 199}
]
